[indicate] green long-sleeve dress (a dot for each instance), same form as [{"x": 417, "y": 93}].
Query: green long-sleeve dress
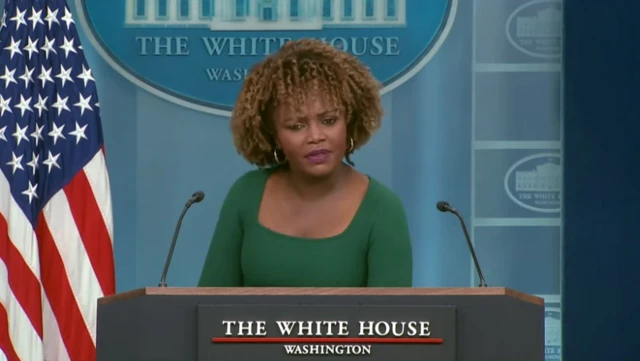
[{"x": 374, "y": 251}]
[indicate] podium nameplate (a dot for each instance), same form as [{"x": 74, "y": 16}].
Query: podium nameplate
[{"x": 281, "y": 332}]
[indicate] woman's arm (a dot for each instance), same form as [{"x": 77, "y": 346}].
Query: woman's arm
[
  {"x": 390, "y": 253},
  {"x": 222, "y": 263}
]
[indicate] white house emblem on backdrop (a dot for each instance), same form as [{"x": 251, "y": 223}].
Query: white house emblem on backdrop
[
  {"x": 535, "y": 28},
  {"x": 196, "y": 53},
  {"x": 535, "y": 182}
]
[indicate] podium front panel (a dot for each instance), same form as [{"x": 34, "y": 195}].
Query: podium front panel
[{"x": 154, "y": 327}]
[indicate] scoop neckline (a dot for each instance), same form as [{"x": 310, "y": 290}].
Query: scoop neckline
[{"x": 354, "y": 220}]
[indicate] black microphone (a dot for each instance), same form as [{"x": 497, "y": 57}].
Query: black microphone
[
  {"x": 445, "y": 207},
  {"x": 195, "y": 198}
]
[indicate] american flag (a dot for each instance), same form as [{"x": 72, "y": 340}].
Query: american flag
[{"x": 56, "y": 250}]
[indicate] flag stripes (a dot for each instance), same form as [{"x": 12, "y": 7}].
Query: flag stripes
[{"x": 56, "y": 227}]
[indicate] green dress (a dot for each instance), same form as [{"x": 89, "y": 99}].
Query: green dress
[{"x": 374, "y": 251}]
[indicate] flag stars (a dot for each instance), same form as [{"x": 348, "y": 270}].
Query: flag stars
[
  {"x": 14, "y": 47},
  {"x": 31, "y": 191},
  {"x": 36, "y": 17},
  {"x": 48, "y": 47},
  {"x": 56, "y": 133},
  {"x": 65, "y": 75},
  {"x": 31, "y": 47},
  {"x": 68, "y": 18},
  {"x": 52, "y": 161},
  {"x": 20, "y": 134},
  {"x": 45, "y": 75},
  {"x": 47, "y": 50},
  {"x": 8, "y": 76},
  {"x": 4, "y": 105},
  {"x": 24, "y": 105},
  {"x": 27, "y": 76},
  {"x": 15, "y": 163},
  {"x": 52, "y": 17},
  {"x": 86, "y": 75},
  {"x": 68, "y": 47},
  {"x": 33, "y": 163},
  {"x": 79, "y": 132},
  {"x": 19, "y": 18},
  {"x": 41, "y": 105},
  {"x": 37, "y": 134},
  {"x": 61, "y": 104},
  {"x": 83, "y": 104}
]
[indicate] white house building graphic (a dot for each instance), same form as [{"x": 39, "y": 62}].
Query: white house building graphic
[
  {"x": 546, "y": 177},
  {"x": 283, "y": 15},
  {"x": 546, "y": 23}
]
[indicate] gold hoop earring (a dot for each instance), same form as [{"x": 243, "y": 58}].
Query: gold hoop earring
[
  {"x": 352, "y": 145},
  {"x": 275, "y": 156}
]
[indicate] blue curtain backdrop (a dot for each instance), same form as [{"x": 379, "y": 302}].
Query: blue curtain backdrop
[
  {"x": 601, "y": 197},
  {"x": 485, "y": 101},
  {"x": 480, "y": 126}
]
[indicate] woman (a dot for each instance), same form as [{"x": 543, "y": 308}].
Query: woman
[{"x": 305, "y": 218}]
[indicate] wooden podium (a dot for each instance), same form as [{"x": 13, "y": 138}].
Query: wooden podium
[{"x": 197, "y": 324}]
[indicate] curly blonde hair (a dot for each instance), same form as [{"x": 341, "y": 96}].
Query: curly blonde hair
[{"x": 287, "y": 77}]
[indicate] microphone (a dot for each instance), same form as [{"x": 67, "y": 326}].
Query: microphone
[
  {"x": 445, "y": 207},
  {"x": 195, "y": 198}
]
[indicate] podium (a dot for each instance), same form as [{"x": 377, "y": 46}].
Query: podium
[{"x": 279, "y": 324}]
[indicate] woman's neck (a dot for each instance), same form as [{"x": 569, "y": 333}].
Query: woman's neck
[{"x": 313, "y": 188}]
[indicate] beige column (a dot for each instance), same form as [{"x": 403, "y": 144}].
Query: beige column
[
  {"x": 225, "y": 8},
  {"x": 357, "y": 8},
  {"x": 318, "y": 10},
  {"x": 381, "y": 9},
  {"x": 253, "y": 10},
  {"x": 172, "y": 9},
  {"x": 306, "y": 7},
  {"x": 284, "y": 12},
  {"x": 150, "y": 10},
  {"x": 194, "y": 9},
  {"x": 132, "y": 9},
  {"x": 218, "y": 9}
]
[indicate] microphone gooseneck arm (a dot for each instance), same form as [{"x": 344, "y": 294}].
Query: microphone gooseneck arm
[
  {"x": 471, "y": 250},
  {"x": 195, "y": 198},
  {"x": 445, "y": 207}
]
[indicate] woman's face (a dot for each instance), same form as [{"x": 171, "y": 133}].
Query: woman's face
[{"x": 314, "y": 139}]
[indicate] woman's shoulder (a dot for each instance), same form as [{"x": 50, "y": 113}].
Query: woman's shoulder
[
  {"x": 249, "y": 184},
  {"x": 383, "y": 197},
  {"x": 252, "y": 177}
]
